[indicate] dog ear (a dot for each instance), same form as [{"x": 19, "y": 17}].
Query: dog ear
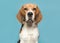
[
  {"x": 20, "y": 16},
  {"x": 38, "y": 16}
]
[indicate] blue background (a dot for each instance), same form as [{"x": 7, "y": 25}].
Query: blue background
[{"x": 49, "y": 27}]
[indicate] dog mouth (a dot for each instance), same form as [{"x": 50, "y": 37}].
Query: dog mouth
[{"x": 29, "y": 22}]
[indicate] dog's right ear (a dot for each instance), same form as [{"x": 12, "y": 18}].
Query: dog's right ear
[{"x": 20, "y": 16}]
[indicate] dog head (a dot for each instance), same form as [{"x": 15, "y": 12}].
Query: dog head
[{"x": 29, "y": 13}]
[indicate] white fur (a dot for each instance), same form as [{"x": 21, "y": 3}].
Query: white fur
[{"x": 29, "y": 34}]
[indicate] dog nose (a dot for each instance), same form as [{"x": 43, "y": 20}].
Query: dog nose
[{"x": 30, "y": 14}]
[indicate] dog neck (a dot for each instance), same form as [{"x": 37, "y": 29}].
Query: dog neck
[{"x": 29, "y": 27}]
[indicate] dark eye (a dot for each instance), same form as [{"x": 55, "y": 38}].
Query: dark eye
[
  {"x": 25, "y": 9},
  {"x": 34, "y": 9}
]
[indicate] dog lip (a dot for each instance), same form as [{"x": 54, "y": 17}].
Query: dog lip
[
  {"x": 30, "y": 21},
  {"x": 30, "y": 18}
]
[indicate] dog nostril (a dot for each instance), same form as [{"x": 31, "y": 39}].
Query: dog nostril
[{"x": 30, "y": 14}]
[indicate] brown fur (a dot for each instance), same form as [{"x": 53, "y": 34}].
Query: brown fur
[
  {"x": 38, "y": 15},
  {"x": 21, "y": 14}
]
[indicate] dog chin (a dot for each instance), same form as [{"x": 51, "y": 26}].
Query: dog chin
[{"x": 29, "y": 23}]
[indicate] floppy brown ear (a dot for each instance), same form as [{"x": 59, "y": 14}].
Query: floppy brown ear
[
  {"x": 20, "y": 17},
  {"x": 38, "y": 16}
]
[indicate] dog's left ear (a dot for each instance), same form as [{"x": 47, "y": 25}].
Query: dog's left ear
[{"x": 38, "y": 16}]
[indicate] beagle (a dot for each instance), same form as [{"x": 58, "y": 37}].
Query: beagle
[{"x": 29, "y": 16}]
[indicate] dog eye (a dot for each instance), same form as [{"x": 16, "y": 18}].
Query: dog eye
[
  {"x": 34, "y": 9},
  {"x": 25, "y": 9}
]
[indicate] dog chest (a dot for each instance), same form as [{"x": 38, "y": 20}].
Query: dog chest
[{"x": 29, "y": 34}]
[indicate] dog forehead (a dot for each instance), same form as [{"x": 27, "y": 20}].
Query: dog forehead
[{"x": 29, "y": 6}]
